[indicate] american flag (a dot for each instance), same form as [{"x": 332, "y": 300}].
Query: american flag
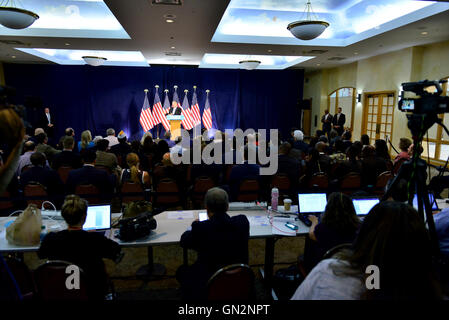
[
  {"x": 146, "y": 118},
  {"x": 158, "y": 112},
  {"x": 207, "y": 116},
  {"x": 195, "y": 110},
  {"x": 166, "y": 109},
  {"x": 188, "y": 121}
]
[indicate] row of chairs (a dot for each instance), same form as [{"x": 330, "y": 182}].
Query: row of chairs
[{"x": 48, "y": 282}]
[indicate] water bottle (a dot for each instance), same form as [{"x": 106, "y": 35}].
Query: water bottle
[{"x": 274, "y": 198}]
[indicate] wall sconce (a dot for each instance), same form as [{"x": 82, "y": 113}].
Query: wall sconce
[{"x": 359, "y": 97}]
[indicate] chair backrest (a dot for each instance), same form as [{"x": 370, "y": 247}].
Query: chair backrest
[
  {"x": 382, "y": 181},
  {"x": 88, "y": 192},
  {"x": 63, "y": 173},
  {"x": 336, "y": 249},
  {"x": 200, "y": 187},
  {"x": 6, "y": 201},
  {"x": 131, "y": 191},
  {"x": 231, "y": 283},
  {"x": 389, "y": 165},
  {"x": 281, "y": 181},
  {"x": 36, "y": 193},
  {"x": 25, "y": 168},
  {"x": 167, "y": 192},
  {"x": 50, "y": 281},
  {"x": 248, "y": 191},
  {"x": 351, "y": 183},
  {"x": 319, "y": 180},
  {"x": 103, "y": 168}
]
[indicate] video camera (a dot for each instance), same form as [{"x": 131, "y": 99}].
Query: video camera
[{"x": 429, "y": 101}]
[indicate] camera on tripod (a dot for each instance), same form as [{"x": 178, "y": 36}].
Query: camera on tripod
[{"x": 429, "y": 101}]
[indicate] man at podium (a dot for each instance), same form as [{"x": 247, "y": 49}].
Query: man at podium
[{"x": 175, "y": 111}]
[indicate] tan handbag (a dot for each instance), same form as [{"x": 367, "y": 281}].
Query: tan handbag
[{"x": 26, "y": 229}]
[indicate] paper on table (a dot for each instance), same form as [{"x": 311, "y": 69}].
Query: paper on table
[
  {"x": 180, "y": 215},
  {"x": 278, "y": 227},
  {"x": 258, "y": 220}
]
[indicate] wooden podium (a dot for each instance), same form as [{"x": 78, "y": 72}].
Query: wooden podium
[{"x": 175, "y": 125}]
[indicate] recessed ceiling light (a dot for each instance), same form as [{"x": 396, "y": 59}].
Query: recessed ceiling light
[
  {"x": 13, "y": 57},
  {"x": 424, "y": 33},
  {"x": 172, "y": 47},
  {"x": 356, "y": 53},
  {"x": 67, "y": 44},
  {"x": 269, "y": 50},
  {"x": 169, "y": 20},
  {"x": 318, "y": 64}
]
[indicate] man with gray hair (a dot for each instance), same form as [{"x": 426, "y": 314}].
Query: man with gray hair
[
  {"x": 220, "y": 240},
  {"x": 110, "y": 136}
]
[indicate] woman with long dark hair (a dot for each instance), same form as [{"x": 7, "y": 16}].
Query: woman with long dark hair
[
  {"x": 392, "y": 239},
  {"x": 338, "y": 225}
]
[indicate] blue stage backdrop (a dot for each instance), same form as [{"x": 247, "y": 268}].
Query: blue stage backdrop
[{"x": 97, "y": 98}]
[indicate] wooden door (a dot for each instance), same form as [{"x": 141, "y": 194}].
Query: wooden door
[{"x": 378, "y": 115}]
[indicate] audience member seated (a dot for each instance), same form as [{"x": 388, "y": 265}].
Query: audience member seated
[
  {"x": 133, "y": 174},
  {"x": 393, "y": 238},
  {"x": 346, "y": 137},
  {"x": 240, "y": 172},
  {"x": 67, "y": 158},
  {"x": 352, "y": 163},
  {"x": 86, "y": 141},
  {"x": 161, "y": 149},
  {"x": 110, "y": 136},
  {"x": 29, "y": 148},
  {"x": 69, "y": 132},
  {"x": 37, "y": 131},
  {"x": 88, "y": 174},
  {"x": 339, "y": 152},
  {"x": 364, "y": 139},
  {"x": 148, "y": 146},
  {"x": 105, "y": 159},
  {"x": 298, "y": 143},
  {"x": 404, "y": 144},
  {"x": 220, "y": 241},
  {"x": 372, "y": 166},
  {"x": 44, "y": 148},
  {"x": 166, "y": 169},
  {"x": 82, "y": 248},
  {"x": 288, "y": 165},
  {"x": 122, "y": 148},
  {"x": 40, "y": 173},
  {"x": 382, "y": 150},
  {"x": 338, "y": 225}
]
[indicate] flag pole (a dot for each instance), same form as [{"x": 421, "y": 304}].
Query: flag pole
[
  {"x": 157, "y": 127},
  {"x": 146, "y": 93}
]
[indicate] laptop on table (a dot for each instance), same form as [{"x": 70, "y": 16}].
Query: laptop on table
[
  {"x": 311, "y": 204},
  {"x": 364, "y": 205},
  {"x": 98, "y": 218}
]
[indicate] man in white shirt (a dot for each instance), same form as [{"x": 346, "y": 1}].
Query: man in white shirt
[
  {"x": 47, "y": 123},
  {"x": 111, "y": 137}
]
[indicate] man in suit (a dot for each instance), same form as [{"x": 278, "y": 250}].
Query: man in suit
[
  {"x": 339, "y": 121},
  {"x": 67, "y": 157},
  {"x": 88, "y": 174},
  {"x": 122, "y": 149},
  {"x": 43, "y": 147},
  {"x": 69, "y": 132},
  {"x": 175, "y": 111},
  {"x": 220, "y": 241},
  {"x": 288, "y": 165},
  {"x": 41, "y": 174},
  {"x": 105, "y": 159},
  {"x": 327, "y": 122},
  {"x": 47, "y": 123},
  {"x": 240, "y": 172}
]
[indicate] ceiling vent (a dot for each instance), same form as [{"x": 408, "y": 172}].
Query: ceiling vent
[
  {"x": 336, "y": 58},
  {"x": 315, "y": 51},
  {"x": 13, "y": 42},
  {"x": 167, "y": 2},
  {"x": 173, "y": 54}
]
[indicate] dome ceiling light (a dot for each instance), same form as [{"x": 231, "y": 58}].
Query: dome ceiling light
[
  {"x": 310, "y": 28},
  {"x": 94, "y": 61},
  {"x": 13, "y": 17}
]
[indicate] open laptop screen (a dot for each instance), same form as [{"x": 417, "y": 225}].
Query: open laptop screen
[
  {"x": 98, "y": 218},
  {"x": 363, "y": 206},
  {"x": 312, "y": 202}
]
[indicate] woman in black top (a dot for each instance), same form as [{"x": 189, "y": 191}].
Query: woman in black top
[
  {"x": 82, "y": 248},
  {"x": 339, "y": 224}
]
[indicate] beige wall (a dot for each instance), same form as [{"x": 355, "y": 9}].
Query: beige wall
[{"x": 379, "y": 73}]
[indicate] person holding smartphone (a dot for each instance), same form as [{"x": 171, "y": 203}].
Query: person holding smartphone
[{"x": 220, "y": 241}]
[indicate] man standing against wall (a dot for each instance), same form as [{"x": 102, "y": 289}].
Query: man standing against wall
[
  {"x": 327, "y": 122},
  {"x": 339, "y": 121}
]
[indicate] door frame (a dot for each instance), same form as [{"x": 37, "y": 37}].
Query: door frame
[{"x": 365, "y": 110}]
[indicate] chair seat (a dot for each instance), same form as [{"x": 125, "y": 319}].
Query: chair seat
[{"x": 231, "y": 283}]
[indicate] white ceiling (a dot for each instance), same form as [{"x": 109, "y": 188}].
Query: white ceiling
[{"x": 194, "y": 27}]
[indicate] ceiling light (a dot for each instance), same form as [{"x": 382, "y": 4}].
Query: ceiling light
[
  {"x": 424, "y": 33},
  {"x": 318, "y": 64},
  {"x": 67, "y": 44},
  {"x": 309, "y": 28},
  {"x": 16, "y": 18},
  {"x": 169, "y": 20},
  {"x": 13, "y": 57},
  {"x": 249, "y": 64},
  {"x": 94, "y": 61},
  {"x": 269, "y": 50},
  {"x": 172, "y": 47},
  {"x": 356, "y": 53}
]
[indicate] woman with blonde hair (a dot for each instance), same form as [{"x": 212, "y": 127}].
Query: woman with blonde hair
[
  {"x": 133, "y": 174},
  {"x": 86, "y": 141}
]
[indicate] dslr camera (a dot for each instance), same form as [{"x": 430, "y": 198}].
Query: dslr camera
[{"x": 429, "y": 101}]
